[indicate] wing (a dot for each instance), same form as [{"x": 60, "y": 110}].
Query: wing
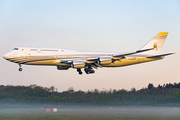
[
  {"x": 98, "y": 61},
  {"x": 161, "y": 55},
  {"x": 130, "y": 53}
]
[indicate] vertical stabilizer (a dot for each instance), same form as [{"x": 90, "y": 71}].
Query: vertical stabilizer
[{"x": 157, "y": 43}]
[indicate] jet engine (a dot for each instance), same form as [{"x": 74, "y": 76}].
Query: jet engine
[
  {"x": 62, "y": 67},
  {"x": 79, "y": 64},
  {"x": 104, "y": 60}
]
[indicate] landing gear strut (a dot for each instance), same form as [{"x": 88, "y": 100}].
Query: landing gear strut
[
  {"x": 79, "y": 70},
  {"x": 20, "y": 69},
  {"x": 89, "y": 70}
]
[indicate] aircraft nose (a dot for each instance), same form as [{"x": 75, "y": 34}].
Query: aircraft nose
[{"x": 5, "y": 56}]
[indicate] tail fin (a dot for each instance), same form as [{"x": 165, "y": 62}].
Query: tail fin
[{"x": 157, "y": 43}]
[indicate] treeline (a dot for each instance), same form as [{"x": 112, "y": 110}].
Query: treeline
[{"x": 167, "y": 94}]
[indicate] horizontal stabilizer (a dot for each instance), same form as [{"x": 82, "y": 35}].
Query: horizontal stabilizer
[{"x": 162, "y": 55}]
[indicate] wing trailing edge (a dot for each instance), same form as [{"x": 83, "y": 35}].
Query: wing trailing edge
[
  {"x": 162, "y": 55},
  {"x": 130, "y": 53}
]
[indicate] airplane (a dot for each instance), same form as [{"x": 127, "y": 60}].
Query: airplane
[{"x": 66, "y": 58}]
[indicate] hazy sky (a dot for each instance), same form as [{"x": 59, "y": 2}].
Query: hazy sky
[{"x": 96, "y": 25}]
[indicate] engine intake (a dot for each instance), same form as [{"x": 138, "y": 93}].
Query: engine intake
[
  {"x": 79, "y": 64},
  {"x": 105, "y": 60}
]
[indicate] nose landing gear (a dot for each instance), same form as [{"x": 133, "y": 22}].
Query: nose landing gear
[{"x": 20, "y": 69}]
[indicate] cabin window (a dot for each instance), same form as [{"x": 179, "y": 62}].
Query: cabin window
[
  {"x": 39, "y": 50},
  {"x": 33, "y": 49},
  {"x": 15, "y": 49},
  {"x": 49, "y": 50}
]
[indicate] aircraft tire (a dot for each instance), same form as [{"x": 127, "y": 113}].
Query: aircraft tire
[{"x": 20, "y": 69}]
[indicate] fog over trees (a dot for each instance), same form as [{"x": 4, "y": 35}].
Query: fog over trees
[{"x": 167, "y": 94}]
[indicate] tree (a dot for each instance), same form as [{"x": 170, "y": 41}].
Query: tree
[
  {"x": 159, "y": 86},
  {"x": 150, "y": 86},
  {"x": 71, "y": 90},
  {"x": 52, "y": 89},
  {"x": 133, "y": 90},
  {"x": 33, "y": 86}
]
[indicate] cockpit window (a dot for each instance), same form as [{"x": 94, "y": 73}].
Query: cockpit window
[{"x": 15, "y": 49}]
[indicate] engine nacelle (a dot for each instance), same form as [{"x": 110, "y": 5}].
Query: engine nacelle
[
  {"x": 104, "y": 60},
  {"x": 79, "y": 64},
  {"x": 62, "y": 67}
]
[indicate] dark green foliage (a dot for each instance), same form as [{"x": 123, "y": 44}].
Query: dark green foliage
[
  {"x": 150, "y": 86},
  {"x": 168, "y": 94}
]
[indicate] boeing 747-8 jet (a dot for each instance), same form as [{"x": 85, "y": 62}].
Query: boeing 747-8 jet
[{"x": 65, "y": 58}]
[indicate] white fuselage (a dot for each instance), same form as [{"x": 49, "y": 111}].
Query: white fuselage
[{"x": 53, "y": 56}]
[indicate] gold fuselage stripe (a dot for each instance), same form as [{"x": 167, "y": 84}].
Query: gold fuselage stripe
[
  {"x": 55, "y": 60},
  {"x": 122, "y": 62}
]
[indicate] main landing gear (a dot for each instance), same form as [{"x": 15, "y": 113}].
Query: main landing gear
[
  {"x": 20, "y": 69},
  {"x": 79, "y": 70},
  {"x": 88, "y": 70}
]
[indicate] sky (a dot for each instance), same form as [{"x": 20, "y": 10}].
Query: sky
[{"x": 95, "y": 25}]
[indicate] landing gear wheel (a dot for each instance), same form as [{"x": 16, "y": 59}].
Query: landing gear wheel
[
  {"x": 20, "y": 69},
  {"x": 89, "y": 70},
  {"x": 86, "y": 70},
  {"x": 92, "y": 71},
  {"x": 79, "y": 71}
]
